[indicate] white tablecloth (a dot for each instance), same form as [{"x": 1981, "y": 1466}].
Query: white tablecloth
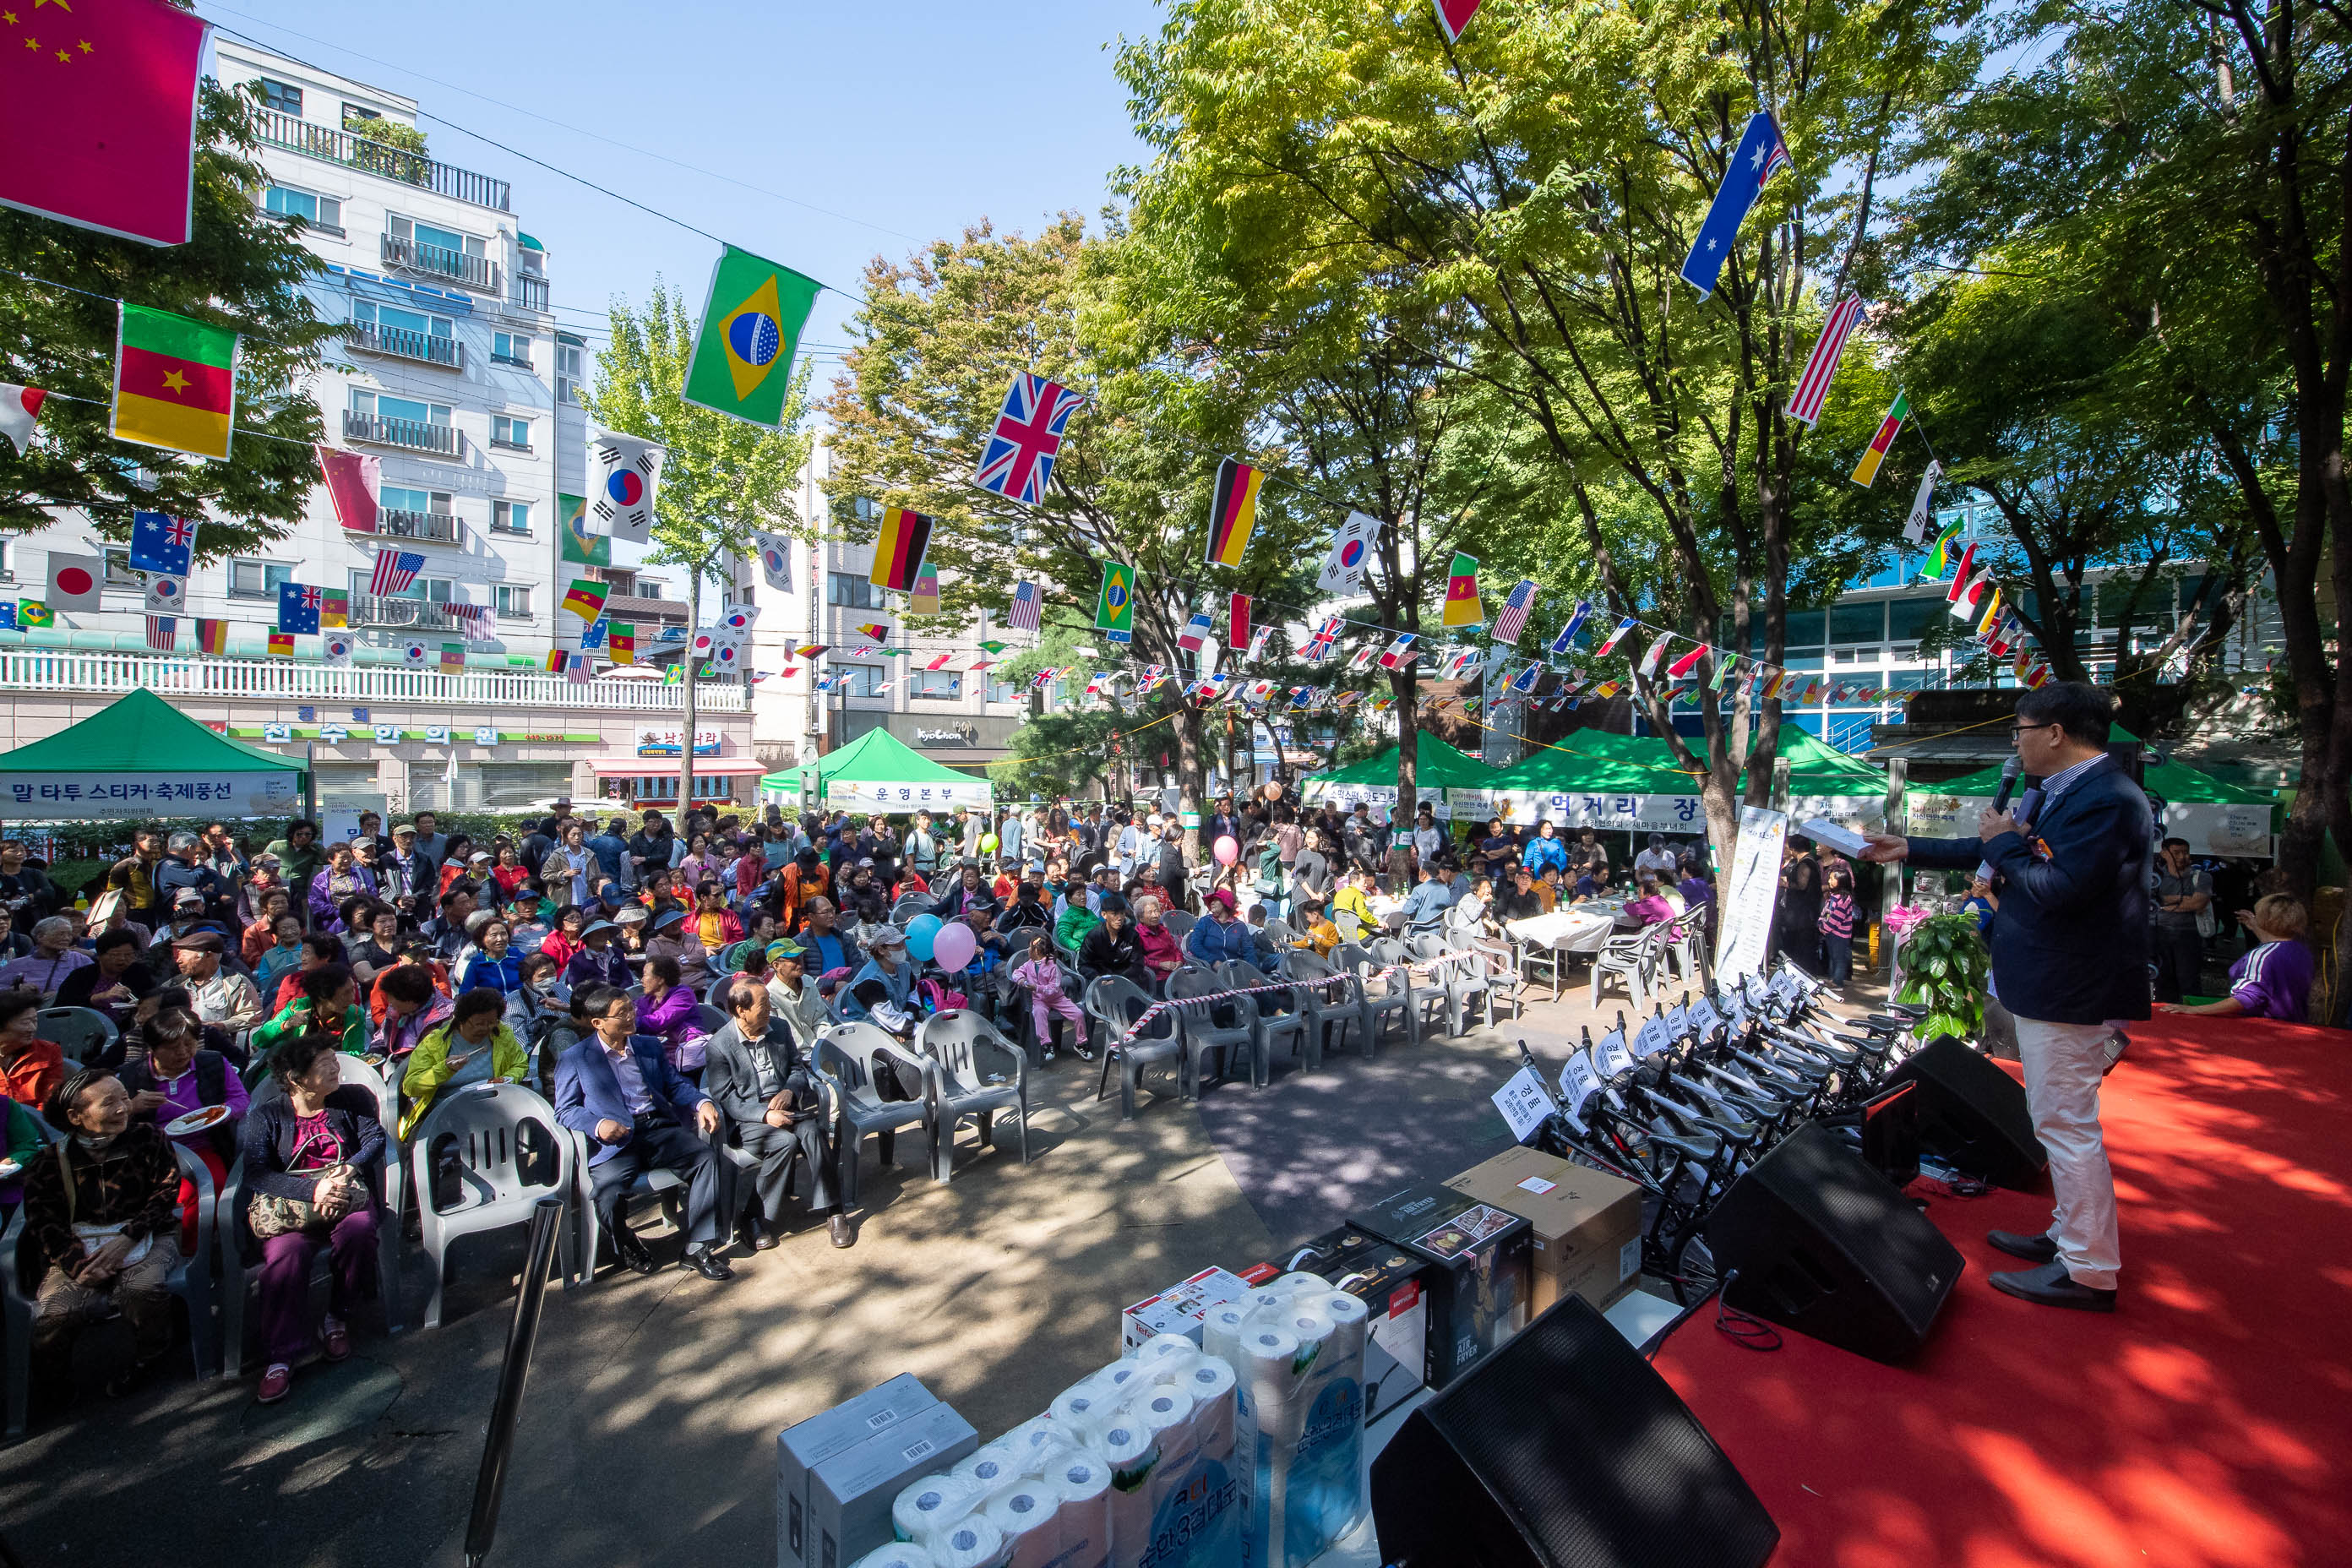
[{"x": 1567, "y": 929}]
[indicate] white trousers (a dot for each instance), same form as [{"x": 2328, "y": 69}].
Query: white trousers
[{"x": 2064, "y": 1066}]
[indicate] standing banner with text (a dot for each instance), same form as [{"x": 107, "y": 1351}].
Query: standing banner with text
[{"x": 1753, "y": 891}]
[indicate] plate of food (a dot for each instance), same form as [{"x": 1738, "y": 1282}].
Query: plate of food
[
  {"x": 196, "y": 1121},
  {"x": 8, "y": 1167}
]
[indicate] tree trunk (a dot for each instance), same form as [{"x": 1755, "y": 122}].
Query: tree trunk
[
  {"x": 1404, "y": 684},
  {"x": 1191, "y": 775},
  {"x": 686, "y": 741}
]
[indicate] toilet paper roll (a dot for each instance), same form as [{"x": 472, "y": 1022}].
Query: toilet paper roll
[
  {"x": 1126, "y": 1448},
  {"x": 1268, "y": 1296},
  {"x": 1080, "y": 1408},
  {"x": 1303, "y": 1284},
  {"x": 991, "y": 1472},
  {"x": 1038, "y": 1442},
  {"x": 1113, "y": 1379},
  {"x": 898, "y": 1554},
  {"x": 971, "y": 1542},
  {"x": 1351, "y": 1323},
  {"x": 1164, "y": 1347},
  {"x": 1313, "y": 1327},
  {"x": 1221, "y": 1330},
  {"x": 1029, "y": 1519},
  {"x": 1084, "y": 1514},
  {"x": 930, "y": 1505},
  {"x": 1211, "y": 1384}
]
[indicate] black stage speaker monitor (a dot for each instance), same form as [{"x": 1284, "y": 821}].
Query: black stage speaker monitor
[
  {"x": 1828, "y": 1246},
  {"x": 1973, "y": 1114},
  {"x": 1564, "y": 1450}
]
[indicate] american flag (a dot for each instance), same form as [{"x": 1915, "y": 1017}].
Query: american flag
[
  {"x": 1821, "y": 366},
  {"x": 163, "y": 632},
  {"x": 1513, "y": 617},
  {"x": 1018, "y": 457},
  {"x": 394, "y": 571},
  {"x": 1025, "y": 605}
]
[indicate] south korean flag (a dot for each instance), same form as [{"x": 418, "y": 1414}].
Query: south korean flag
[
  {"x": 415, "y": 655},
  {"x": 335, "y": 648},
  {"x": 623, "y": 473},
  {"x": 167, "y": 595}
]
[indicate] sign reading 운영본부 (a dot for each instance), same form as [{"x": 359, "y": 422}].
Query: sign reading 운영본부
[
  {"x": 77, "y": 797},
  {"x": 881, "y": 795}
]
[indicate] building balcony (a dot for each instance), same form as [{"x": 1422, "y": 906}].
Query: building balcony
[
  {"x": 400, "y": 342},
  {"x": 394, "y": 610},
  {"x": 330, "y": 145},
  {"x": 414, "y": 435},
  {"x": 478, "y": 273},
  {"x": 431, "y": 527},
  {"x": 185, "y": 679},
  {"x": 505, "y": 445},
  {"x": 529, "y": 293},
  {"x": 645, "y": 612}
]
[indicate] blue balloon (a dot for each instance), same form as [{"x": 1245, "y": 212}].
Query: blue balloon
[{"x": 921, "y": 932}]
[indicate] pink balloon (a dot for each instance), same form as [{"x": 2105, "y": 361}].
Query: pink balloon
[
  {"x": 1227, "y": 851},
  {"x": 953, "y": 948}
]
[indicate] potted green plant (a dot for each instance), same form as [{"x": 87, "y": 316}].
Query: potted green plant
[{"x": 1942, "y": 965}]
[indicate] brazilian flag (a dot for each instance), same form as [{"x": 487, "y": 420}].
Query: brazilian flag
[
  {"x": 1115, "y": 610},
  {"x": 1941, "y": 554},
  {"x": 741, "y": 363}
]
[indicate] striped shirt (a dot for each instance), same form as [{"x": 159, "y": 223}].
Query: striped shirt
[{"x": 2274, "y": 981}]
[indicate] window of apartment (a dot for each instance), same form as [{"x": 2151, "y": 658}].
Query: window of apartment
[
  {"x": 513, "y": 600},
  {"x": 510, "y": 348},
  {"x": 937, "y": 683},
  {"x": 357, "y": 116},
  {"x": 510, "y": 517},
  {"x": 318, "y": 211},
  {"x": 432, "y": 590},
  {"x": 392, "y": 317},
  {"x": 427, "y": 237},
  {"x": 249, "y": 579},
  {"x": 652, "y": 588},
  {"x": 283, "y": 97},
  {"x": 1856, "y": 622},
  {"x": 8, "y": 566},
  {"x": 383, "y": 405},
  {"x": 119, "y": 573},
  {"x": 863, "y": 679},
  {"x": 400, "y": 497},
  {"x": 1907, "y": 620},
  {"x": 569, "y": 359},
  {"x": 508, "y": 431},
  {"x": 1007, "y": 691},
  {"x": 847, "y": 588}
]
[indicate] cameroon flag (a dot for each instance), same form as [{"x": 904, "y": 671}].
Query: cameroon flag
[
  {"x": 1867, "y": 469},
  {"x": 281, "y": 644},
  {"x": 620, "y": 642},
  {"x": 585, "y": 598},
  {"x": 1462, "y": 605},
  {"x": 175, "y": 383},
  {"x": 898, "y": 549}
]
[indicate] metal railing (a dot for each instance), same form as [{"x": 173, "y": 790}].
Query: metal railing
[
  {"x": 529, "y": 293},
  {"x": 475, "y": 273},
  {"x": 395, "y": 610},
  {"x": 47, "y": 670},
  {"x": 417, "y": 434},
  {"x": 333, "y": 146},
  {"x": 433, "y": 527},
  {"x": 372, "y": 337}
]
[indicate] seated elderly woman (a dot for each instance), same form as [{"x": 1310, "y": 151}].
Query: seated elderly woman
[
  {"x": 53, "y": 959},
  {"x": 177, "y": 1077},
  {"x": 114, "y": 984},
  {"x": 101, "y": 1228},
  {"x": 30, "y": 1066},
  {"x": 668, "y": 1011},
  {"x": 313, "y": 1173},
  {"x": 472, "y": 1045},
  {"x": 412, "y": 1007},
  {"x": 1163, "y": 955}
]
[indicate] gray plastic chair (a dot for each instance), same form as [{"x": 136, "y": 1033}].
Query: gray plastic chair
[
  {"x": 1460, "y": 973},
  {"x": 1350, "y": 929},
  {"x": 1377, "y": 1000},
  {"x": 1335, "y": 1006},
  {"x": 487, "y": 1120},
  {"x": 1114, "y": 1002},
  {"x": 1429, "y": 1008},
  {"x": 1631, "y": 959},
  {"x": 844, "y": 1061},
  {"x": 1200, "y": 998},
  {"x": 953, "y": 1043},
  {"x": 1179, "y": 921},
  {"x": 82, "y": 1032},
  {"x": 1285, "y": 1021}
]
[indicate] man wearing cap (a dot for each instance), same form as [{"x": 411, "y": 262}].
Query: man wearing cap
[
  {"x": 182, "y": 870},
  {"x": 408, "y": 874},
  {"x": 187, "y": 915},
  {"x": 792, "y": 996},
  {"x": 223, "y": 998},
  {"x": 757, "y": 1072}
]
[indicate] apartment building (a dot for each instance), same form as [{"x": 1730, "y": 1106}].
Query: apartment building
[{"x": 453, "y": 374}]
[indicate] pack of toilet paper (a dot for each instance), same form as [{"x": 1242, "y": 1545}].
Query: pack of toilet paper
[{"x": 1297, "y": 1348}]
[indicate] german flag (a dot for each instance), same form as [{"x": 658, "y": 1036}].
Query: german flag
[
  {"x": 898, "y": 549},
  {"x": 175, "y": 383},
  {"x": 212, "y": 637},
  {"x": 556, "y": 659},
  {"x": 1233, "y": 512}
]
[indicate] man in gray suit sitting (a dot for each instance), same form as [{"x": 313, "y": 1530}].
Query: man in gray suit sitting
[{"x": 758, "y": 1075}]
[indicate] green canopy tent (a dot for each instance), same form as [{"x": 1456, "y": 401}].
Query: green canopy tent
[
  {"x": 143, "y": 758},
  {"x": 1436, "y": 766},
  {"x": 878, "y": 772},
  {"x": 2215, "y": 816},
  {"x": 1593, "y": 778}
]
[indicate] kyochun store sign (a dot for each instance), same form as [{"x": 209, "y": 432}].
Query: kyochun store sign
[{"x": 657, "y": 740}]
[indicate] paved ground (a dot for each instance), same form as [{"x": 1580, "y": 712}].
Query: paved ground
[{"x": 648, "y": 1435}]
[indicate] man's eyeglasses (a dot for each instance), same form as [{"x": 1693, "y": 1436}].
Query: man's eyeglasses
[{"x": 2017, "y": 730}]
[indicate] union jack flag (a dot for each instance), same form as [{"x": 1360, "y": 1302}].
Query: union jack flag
[
  {"x": 1026, "y": 603},
  {"x": 1320, "y": 643},
  {"x": 1513, "y": 617},
  {"x": 394, "y": 571},
  {"x": 1019, "y": 458}
]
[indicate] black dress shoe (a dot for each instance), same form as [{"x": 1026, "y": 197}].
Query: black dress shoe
[
  {"x": 765, "y": 1236},
  {"x": 633, "y": 1254},
  {"x": 2052, "y": 1286},
  {"x": 2032, "y": 1248},
  {"x": 843, "y": 1233},
  {"x": 708, "y": 1263}
]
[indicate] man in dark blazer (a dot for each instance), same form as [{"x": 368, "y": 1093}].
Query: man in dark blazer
[
  {"x": 2070, "y": 959},
  {"x": 638, "y": 1114},
  {"x": 408, "y": 876},
  {"x": 756, "y": 1073}
]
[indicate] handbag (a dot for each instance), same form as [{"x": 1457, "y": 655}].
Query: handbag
[{"x": 271, "y": 1215}]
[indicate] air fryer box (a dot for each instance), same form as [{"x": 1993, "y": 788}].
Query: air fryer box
[
  {"x": 1179, "y": 1310},
  {"x": 850, "y": 1494},
  {"x": 1587, "y": 1225},
  {"x": 1388, "y": 1280},
  {"x": 800, "y": 1449},
  {"x": 1478, "y": 1287}
]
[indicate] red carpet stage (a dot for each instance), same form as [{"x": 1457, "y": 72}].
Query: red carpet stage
[{"x": 2208, "y": 1424}]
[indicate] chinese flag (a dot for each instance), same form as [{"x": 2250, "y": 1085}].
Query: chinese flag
[{"x": 98, "y": 112}]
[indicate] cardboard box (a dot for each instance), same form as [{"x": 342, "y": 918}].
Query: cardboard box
[
  {"x": 1478, "y": 1288},
  {"x": 1180, "y": 1310},
  {"x": 1388, "y": 1280},
  {"x": 1587, "y": 1225},
  {"x": 850, "y": 1494},
  {"x": 800, "y": 1448}
]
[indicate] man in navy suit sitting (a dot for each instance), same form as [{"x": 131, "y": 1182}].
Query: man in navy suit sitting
[
  {"x": 617, "y": 1087},
  {"x": 2070, "y": 959}
]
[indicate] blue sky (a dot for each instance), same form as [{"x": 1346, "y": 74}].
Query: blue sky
[{"x": 886, "y": 125}]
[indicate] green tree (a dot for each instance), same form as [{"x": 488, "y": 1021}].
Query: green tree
[
  {"x": 243, "y": 269},
  {"x": 722, "y": 478}
]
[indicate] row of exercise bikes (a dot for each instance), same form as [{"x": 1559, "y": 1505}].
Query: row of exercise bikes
[{"x": 1691, "y": 1098}]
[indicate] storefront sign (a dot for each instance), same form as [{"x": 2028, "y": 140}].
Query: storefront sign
[
  {"x": 861, "y": 796},
  {"x": 948, "y": 735},
  {"x": 657, "y": 741}
]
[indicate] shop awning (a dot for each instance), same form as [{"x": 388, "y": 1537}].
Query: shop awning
[{"x": 654, "y": 767}]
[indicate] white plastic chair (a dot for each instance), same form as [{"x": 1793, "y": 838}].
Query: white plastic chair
[
  {"x": 1632, "y": 958},
  {"x": 952, "y": 1043},
  {"x": 485, "y": 1120}
]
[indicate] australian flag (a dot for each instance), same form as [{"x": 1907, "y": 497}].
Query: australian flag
[
  {"x": 1567, "y": 638},
  {"x": 298, "y": 608},
  {"x": 1760, "y": 156},
  {"x": 162, "y": 544},
  {"x": 1020, "y": 455}
]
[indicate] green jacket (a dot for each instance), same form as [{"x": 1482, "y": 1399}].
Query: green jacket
[
  {"x": 428, "y": 1069},
  {"x": 298, "y": 864},
  {"x": 296, "y": 1020},
  {"x": 1076, "y": 921}
]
